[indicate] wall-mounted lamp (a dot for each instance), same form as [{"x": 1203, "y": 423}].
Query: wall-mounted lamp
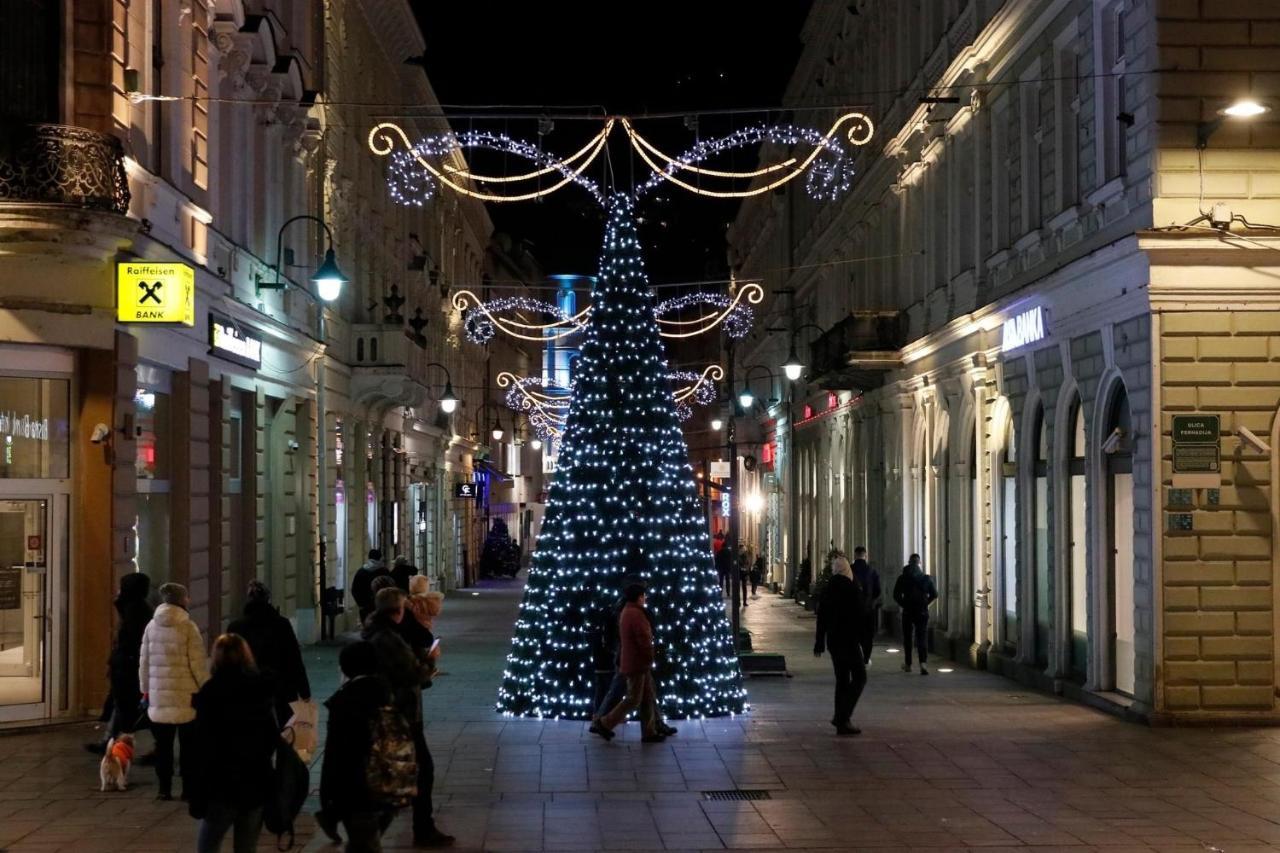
[{"x": 1241, "y": 108}]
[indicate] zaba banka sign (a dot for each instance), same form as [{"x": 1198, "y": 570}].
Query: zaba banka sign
[
  {"x": 230, "y": 341},
  {"x": 1022, "y": 329},
  {"x": 155, "y": 293}
]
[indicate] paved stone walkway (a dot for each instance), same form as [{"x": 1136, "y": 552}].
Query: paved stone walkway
[{"x": 958, "y": 760}]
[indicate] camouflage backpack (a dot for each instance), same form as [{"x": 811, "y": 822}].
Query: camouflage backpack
[{"x": 392, "y": 772}]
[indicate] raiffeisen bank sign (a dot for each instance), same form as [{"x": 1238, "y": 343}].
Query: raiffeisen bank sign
[{"x": 1025, "y": 328}]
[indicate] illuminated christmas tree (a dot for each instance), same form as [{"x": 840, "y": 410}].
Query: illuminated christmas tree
[{"x": 623, "y": 482}]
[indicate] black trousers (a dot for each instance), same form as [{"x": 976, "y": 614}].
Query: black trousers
[
  {"x": 917, "y": 623},
  {"x": 164, "y": 734},
  {"x": 851, "y": 678},
  {"x": 423, "y": 822},
  {"x": 867, "y": 634}
]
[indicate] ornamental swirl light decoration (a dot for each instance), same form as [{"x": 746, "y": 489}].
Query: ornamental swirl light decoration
[
  {"x": 546, "y": 403},
  {"x": 416, "y": 169},
  {"x": 482, "y": 320}
]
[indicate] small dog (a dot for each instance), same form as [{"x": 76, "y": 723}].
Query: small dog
[{"x": 114, "y": 769}]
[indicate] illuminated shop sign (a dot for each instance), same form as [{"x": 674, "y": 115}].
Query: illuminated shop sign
[
  {"x": 1022, "y": 329},
  {"x": 233, "y": 343},
  {"x": 155, "y": 293}
]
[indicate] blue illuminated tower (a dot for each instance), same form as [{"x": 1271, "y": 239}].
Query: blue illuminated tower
[{"x": 623, "y": 482}]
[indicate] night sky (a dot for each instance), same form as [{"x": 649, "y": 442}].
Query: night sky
[{"x": 669, "y": 57}]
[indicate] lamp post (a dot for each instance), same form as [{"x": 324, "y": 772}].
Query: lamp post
[
  {"x": 794, "y": 369},
  {"x": 328, "y": 280}
]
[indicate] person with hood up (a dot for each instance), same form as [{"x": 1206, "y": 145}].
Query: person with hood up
[
  {"x": 406, "y": 672},
  {"x": 134, "y": 612},
  {"x": 401, "y": 571},
  {"x": 869, "y": 579},
  {"x": 275, "y": 649},
  {"x": 234, "y": 739},
  {"x": 841, "y": 612},
  {"x": 171, "y": 669},
  {"x": 354, "y": 711},
  {"x": 362, "y": 582},
  {"x": 914, "y": 592}
]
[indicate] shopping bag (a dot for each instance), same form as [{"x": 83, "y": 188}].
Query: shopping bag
[{"x": 302, "y": 729}]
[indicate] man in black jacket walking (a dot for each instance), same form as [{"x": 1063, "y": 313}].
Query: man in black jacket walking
[
  {"x": 841, "y": 612},
  {"x": 914, "y": 592},
  {"x": 869, "y": 579}
]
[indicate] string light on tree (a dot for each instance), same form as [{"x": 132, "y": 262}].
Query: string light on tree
[{"x": 623, "y": 481}]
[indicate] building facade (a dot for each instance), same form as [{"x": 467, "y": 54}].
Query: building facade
[
  {"x": 160, "y": 408},
  {"x": 1048, "y": 374}
]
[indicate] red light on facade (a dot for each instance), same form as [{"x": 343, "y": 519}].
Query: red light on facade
[
  {"x": 808, "y": 411},
  {"x": 768, "y": 453},
  {"x": 832, "y": 400}
]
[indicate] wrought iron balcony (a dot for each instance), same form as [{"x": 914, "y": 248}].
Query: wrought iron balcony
[
  {"x": 63, "y": 165},
  {"x": 855, "y": 353}
]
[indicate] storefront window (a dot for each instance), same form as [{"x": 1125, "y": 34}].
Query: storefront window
[
  {"x": 1079, "y": 532},
  {"x": 151, "y": 534},
  {"x": 1043, "y": 612},
  {"x": 151, "y": 409},
  {"x": 1009, "y": 535},
  {"x": 35, "y": 428}
]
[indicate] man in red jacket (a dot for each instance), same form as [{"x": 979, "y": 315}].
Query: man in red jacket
[{"x": 636, "y": 664}]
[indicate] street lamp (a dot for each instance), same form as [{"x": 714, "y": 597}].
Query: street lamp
[
  {"x": 746, "y": 399},
  {"x": 327, "y": 279},
  {"x": 1240, "y": 108},
  {"x": 717, "y": 424},
  {"x": 793, "y": 367},
  {"x": 448, "y": 400},
  {"x": 536, "y": 444}
]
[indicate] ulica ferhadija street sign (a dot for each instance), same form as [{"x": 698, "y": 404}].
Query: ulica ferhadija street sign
[{"x": 1196, "y": 448}]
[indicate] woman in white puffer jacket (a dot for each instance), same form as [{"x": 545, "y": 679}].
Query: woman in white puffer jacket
[{"x": 173, "y": 668}]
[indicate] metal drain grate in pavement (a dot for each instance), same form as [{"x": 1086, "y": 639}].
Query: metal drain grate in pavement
[{"x": 736, "y": 795}]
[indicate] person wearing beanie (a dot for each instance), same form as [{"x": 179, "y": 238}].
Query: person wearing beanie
[
  {"x": 841, "y": 612},
  {"x": 275, "y": 648}
]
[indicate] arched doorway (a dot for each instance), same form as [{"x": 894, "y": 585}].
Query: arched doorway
[
  {"x": 1077, "y": 625},
  {"x": 1117, "y": 447}
]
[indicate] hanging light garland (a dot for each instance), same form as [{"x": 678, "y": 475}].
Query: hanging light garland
[{"x": 415, "y": 169}]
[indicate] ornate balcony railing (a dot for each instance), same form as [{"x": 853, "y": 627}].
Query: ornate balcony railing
[
  {"x": 59, "y": 164},
  {"x": 855, "y": 352}
]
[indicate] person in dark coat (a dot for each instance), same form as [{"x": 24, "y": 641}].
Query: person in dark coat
[
  {"x": 609, "y": 646},
  {"x": 914, "y": 592},
  {"x": 275, "y": 649},
  {"x": 353, "y": 712},
  {"x": 401, "y": 571},
  {"x": 235, "y": 739},
  {"x": 635, "y": 661},
  {"x": 841, "y": 612},
  {"x": 125, "y": 697},
  {"x": 724, "y": 568},
  {"x": 405, "y": 673},
  {"x": 362, "y": 582},
  {"x": 869, "y": 579}
]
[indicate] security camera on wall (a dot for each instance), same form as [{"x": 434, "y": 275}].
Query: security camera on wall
[
  {"x": 101, "y": 432},
  {"x": 1247, "y": 436},
  {"x": 1114, "y": 442}
]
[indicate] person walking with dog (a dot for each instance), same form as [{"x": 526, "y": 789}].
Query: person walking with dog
[
  {"x": 275, "y": 649},
  {"x": 841, "y": 613},
  {"x": 234, "y": 738},
  {"x": 171, "y": 669},
  {"x": 914, "y": 592},
  {"x": 134, "y": 613}
]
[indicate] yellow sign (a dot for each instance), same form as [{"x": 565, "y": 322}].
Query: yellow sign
[{"x": 155, "y": 293}]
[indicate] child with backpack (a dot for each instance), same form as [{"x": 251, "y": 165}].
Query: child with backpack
[{"x": 369, "y": 769}]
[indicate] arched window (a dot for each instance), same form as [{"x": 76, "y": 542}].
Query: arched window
[
  {"x": 1007, "y": 477},
  {"x": 1041, "y": 589},
  {"x": 1077, "y": 530}
]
